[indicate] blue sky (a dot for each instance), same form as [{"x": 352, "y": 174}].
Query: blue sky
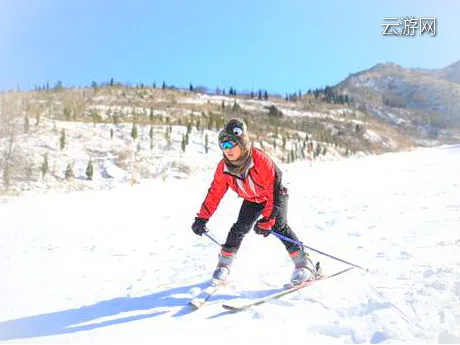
[{"x": 280, "y": 46}]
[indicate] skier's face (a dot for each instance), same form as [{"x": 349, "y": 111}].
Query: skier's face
[{"x": 233, "y": 154}]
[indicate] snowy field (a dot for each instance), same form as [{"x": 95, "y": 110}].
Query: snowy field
[{"x": 118, "y": 266}]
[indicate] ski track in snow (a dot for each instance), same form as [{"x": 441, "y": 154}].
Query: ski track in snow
[{"x": 119, "y": 265}]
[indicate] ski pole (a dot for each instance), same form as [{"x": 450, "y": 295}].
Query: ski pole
[
  {"x": 282, "y": 237},
  {"x": 212, "y": 239}
]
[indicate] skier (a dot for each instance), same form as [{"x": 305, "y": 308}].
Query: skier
[{"x": 253, "y": 175}]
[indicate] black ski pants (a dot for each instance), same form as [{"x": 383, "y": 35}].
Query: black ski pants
[{"x": 249, "y": 213}]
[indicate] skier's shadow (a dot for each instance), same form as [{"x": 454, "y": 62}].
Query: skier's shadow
[{"x": 68, "y": 321}]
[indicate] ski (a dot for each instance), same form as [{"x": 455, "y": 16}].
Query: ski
[
  {"x": 245, "y": 305},
  {"x": 206, "y": 293}
]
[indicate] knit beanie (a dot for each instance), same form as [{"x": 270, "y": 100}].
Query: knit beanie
[{"x": 236, "y": 130}]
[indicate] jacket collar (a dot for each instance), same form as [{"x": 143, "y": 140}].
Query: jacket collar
[{"x": 245, "y": 172}]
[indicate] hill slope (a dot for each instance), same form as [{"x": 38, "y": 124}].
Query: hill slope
[
  {"x": 421, "y": 103},
  {"x": 133, "y": 133}
]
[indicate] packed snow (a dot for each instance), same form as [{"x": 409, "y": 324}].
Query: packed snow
[{"x": 119, "y": 265}]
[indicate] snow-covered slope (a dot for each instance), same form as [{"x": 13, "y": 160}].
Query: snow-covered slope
[{"x": 119, "y": 265}]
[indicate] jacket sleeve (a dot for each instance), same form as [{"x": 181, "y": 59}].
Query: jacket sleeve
[
  {"x": 272, "y": 176},
  {"x": 217, "y": 190}
]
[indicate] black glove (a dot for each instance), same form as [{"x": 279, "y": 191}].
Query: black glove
[
  {"x": 264, "y": 226},
  {"x": 199, "y": 226}
]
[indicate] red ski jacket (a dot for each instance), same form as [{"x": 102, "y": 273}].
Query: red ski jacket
[{"x": 261, "y": 184}]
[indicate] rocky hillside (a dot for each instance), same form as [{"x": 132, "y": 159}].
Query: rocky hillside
[
  {"x": 451, "y": 72},
  {"x": 422, "y": 104},
  {"x": 95, "y": 137}
]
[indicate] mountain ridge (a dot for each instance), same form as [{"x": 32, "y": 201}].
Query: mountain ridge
[{"x": 420, "y": 98}]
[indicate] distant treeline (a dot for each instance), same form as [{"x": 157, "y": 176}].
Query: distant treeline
[{"x": 327, "y": 94}]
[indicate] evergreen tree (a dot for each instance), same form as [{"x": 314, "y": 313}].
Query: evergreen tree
[
  {"x": 260, "y": 94},
  {"x": 58, "y": 86},
  {"x": 69, "y": 172},
  {"x": 26, "y": 124},
  {"x": 168, "y": 135},
  {"x": 111, "y": 133},
  {"x": 62, "y": 139},
  {"x": 318, "y": 149},
  {"x": 151, "y": 133},
  {"x": 266, "y": 95},
  {"x": 95, "y": 116},
  {"x": 183, "y": 143},
  {"x": 6, "y": 176},
  {"x": 45, "y": 165},
  {"x": 210, "y": 122},
  {"x": 134, "y": 131},
  {"x": 67, "y": 113},
  {"x": 89, "y": 170}
]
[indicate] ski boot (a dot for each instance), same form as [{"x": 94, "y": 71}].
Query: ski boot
[
  {"x": 304, "y": 268},
  {"x": 222, "y": 271}
]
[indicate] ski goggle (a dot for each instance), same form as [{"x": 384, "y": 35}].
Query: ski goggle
[{"x": 227, "y": 145}]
